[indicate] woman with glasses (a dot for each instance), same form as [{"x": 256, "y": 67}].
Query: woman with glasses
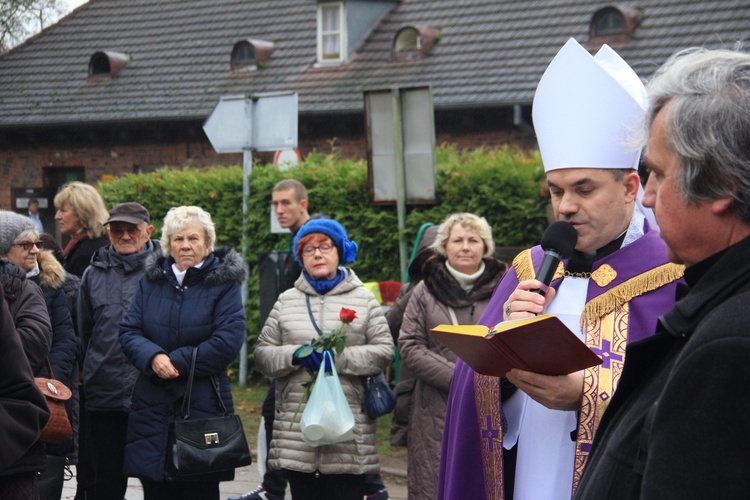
[
  {"x": 34, "y": 312},
  {"x": 301, "y": 313}
]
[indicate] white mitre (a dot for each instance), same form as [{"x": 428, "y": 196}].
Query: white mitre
[{"x": 585, "y": 109}]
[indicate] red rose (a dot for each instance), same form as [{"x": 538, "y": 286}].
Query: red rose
[{"x": 347, "y": 315}]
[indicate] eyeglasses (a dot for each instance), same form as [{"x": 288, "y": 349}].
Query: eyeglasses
[
  {"x": 309, "y": 250},
  {"x": 27, "y": 246},
  {"x": 117, "y": 232}
]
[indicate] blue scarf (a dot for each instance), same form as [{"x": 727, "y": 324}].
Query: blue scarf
[{"x": 324, "y": 286}]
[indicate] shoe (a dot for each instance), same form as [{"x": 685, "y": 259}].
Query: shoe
[
  {"x": 380, "y": 495},
  {"x": 259, "y": 494}
]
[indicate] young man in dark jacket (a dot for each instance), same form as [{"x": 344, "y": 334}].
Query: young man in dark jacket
[{"x": 107, "y": 289}]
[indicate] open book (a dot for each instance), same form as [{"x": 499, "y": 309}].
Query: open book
[{"x": 542, "y": 344}]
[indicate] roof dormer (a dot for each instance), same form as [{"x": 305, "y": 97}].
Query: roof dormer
[
  {"x": 104, "y": 65},
  {"x": 414, "y": 42},
  {"x": 613, "y": 25},
  {"x": 249, "y": 55},
  {"x": 344, "y": 25}
]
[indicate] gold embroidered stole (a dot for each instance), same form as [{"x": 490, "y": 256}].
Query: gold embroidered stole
[{"x": 605, "y": 321}]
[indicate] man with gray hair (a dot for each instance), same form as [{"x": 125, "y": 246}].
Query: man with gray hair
[
  {"x": 107, "y": 289},
  {"x": 677, "y": 424}
]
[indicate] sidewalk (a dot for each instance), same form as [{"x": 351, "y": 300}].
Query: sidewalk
[{"x": 248, "y": 478}]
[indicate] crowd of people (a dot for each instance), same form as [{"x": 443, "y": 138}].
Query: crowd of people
[{"x": 119, "y": 318}]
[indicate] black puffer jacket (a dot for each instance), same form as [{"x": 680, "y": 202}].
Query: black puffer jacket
[{"x": 29, "y": 312}]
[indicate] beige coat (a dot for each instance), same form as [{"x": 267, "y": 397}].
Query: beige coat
[{"x": 369, "y": 350}]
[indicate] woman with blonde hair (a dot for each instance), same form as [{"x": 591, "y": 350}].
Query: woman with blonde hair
[
  {"x": 458, "y": 280},
  {"x": 188, "y": 300},
  {"x": 81, "y": 214}
]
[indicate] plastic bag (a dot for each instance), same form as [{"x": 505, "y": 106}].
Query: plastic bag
[{"x": 327, "y": 418}]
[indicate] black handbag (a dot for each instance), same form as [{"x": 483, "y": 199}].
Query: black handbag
[
  {"x": 379, "y": 398},
  {"x": 206, "y": 447}
]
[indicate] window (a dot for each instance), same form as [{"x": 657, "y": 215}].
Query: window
[
  {"x": 608, "y": 21},
  {"x": 243, "y": 55},
  {"x": 331, "y": 32},
  {"x": 613, "y": 25},
  {"x": 414, "y": 42},
  {"x": 250, "y": 55},
  {"x": 407, "y": 39},
  {"x": 104, "y": 65}
]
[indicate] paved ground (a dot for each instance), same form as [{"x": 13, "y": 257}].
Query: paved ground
[{"x": 248, "y": 478}]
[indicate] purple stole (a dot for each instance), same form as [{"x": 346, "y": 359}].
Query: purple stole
[{"x": 627, "y": 292}]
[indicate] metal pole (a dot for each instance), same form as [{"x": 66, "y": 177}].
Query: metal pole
[
  {"x": 398, "y": 151},
  {"x": 247, "y": 170}
]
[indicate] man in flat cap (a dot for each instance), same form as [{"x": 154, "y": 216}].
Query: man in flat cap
[
  {"x": 528, "y": 435},
  {"x": 107, "y": 288}
]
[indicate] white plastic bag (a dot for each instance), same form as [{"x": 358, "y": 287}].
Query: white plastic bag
[{"x": 327, "y": 418}]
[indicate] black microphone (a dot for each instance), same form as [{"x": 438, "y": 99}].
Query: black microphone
[{"x": 558, "y": 242}]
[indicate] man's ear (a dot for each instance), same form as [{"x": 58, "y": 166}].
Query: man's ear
[
  {"x": 631, "y": 181},
  {"x": 721, "y": 205},
  {"x": 149, "y": 230},
  {"x": 303, "y": 204}
]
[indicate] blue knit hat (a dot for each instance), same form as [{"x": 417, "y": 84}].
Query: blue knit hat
[{"x": 332, "y": 229}]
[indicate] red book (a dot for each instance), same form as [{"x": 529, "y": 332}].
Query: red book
[{"x": 542, "y": 344}]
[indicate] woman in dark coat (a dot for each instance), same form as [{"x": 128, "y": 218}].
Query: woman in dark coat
[
  {"x": 44, "y": 270},
  {"x": 456, "y": 287},
  {"x": 23, "y": 414},
  {"x": 81, "y": 215},
  {"x": 189, "y": 299}
]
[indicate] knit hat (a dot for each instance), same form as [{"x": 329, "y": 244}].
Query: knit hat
[
  {"x": 332, "y": 229},
  {"x": 11, "y": 226}
]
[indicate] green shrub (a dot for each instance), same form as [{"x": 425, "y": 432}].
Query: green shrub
[{"x": 504, "y": 185}]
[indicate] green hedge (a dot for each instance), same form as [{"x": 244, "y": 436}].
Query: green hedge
[{"x": 504, "y": 185}]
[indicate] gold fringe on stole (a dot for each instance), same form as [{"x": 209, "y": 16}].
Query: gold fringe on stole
[
  {"x": 607, "y": 335},
  {"x": 487, "y": 398},
  {"x": 525, "y": 267},
  {"x": 624, "y": 292}
]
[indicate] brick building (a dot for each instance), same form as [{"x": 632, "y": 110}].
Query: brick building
[{"x": 125, "y": 86}]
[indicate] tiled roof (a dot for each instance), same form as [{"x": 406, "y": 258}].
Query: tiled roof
[{"x": 492, "y": 52}]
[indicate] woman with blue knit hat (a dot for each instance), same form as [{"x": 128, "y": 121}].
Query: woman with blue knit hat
[{"x": 311, "y": 308}]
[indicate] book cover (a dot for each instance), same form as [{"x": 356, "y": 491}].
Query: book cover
[{"x": 541, "y": 344}]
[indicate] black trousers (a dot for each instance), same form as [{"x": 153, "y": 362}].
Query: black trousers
[
  {"x": 180, "y": 490},
  {"x": 274, "y": 480},
  {"x": 108, "y": 432},
  {"x": 316, "y": 486}
]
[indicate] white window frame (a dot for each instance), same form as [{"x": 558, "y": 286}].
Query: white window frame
[{"x": 341, "y": 32}]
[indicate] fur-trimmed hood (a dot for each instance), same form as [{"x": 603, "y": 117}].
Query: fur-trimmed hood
[
  {"x": 222, "y": 265},
  {"x": 51, "y": 272},
  {"x": 444, "y": 287}
]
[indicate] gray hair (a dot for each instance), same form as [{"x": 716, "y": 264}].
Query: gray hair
[
  {"x": 179, "y": 217},
  {"x": 469, "y": 222},
  {"x": 707, "y": 123}
]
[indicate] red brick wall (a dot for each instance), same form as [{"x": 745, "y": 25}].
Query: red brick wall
[{"x": 24, "y": 166}]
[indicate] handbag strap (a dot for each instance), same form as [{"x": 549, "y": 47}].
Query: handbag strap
[
  {"x": 189, "y": 390},
  {"x": 312, "y": 318},
  {"x": 49, "y": 368}
]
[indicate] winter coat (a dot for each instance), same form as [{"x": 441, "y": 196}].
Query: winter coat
[
  {"x": 677, "y": 425},
  {"x": 107, "y": 289},
  {"x": 79, "y": 257},
  {"x": 29, "y": 312},
  {"x": 205, "y": 312},
  {"x": 369, "y": 350},
  {"x": 432, "y": 363},
  {"x": 23, "y": 410},
  {"x": 64, "y": 350}
]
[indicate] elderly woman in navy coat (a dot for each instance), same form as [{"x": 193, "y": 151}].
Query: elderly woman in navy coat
[{"x": 189, "y": 298}]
